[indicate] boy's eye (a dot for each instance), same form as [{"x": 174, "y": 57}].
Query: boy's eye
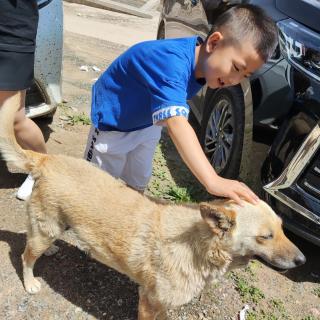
[{"x": 237, "y": 69}]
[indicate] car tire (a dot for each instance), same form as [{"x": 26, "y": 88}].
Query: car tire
[{"x": 222, "y": 130}]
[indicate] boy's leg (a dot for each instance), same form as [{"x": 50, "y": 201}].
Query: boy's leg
[
  {"x": 103, "y": 150},
  {"x": 138, "y": 169}
]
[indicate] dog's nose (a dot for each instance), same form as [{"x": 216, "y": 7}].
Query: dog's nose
[{"x": 300, "y": 260}]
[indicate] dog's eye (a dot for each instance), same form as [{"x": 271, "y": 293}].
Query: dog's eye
[{"x": 267, "y": 237}]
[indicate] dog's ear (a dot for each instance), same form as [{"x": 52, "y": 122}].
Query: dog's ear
[{"x": 218, "y": 217}]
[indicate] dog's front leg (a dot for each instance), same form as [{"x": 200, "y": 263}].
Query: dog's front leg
[
  {"x": 146, "y": 309},
  {"x": 36, "y": 246}
]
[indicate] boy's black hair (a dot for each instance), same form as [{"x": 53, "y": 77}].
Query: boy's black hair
[{"x": 249, "y": 22}]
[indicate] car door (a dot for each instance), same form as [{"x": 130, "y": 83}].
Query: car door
[{"x": 185, "y": 18}]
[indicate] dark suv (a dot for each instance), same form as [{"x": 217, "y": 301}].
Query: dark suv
[
  {"x": 292, "y": 168},
  {"x": 282, "y": 98}
]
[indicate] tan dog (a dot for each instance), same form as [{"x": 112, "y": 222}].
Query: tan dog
[{"x": 171, "y": 251}]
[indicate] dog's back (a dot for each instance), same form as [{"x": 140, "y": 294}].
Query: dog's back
[{"x": 118, "y": 226}]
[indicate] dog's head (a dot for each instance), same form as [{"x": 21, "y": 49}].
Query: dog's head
[{"x": 251, "y": 231}]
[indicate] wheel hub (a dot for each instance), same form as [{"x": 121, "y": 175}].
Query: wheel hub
[{"x": 219, "y": 135}]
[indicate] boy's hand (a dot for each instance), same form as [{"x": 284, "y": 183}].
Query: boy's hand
[{"x": 232, "y": 189}]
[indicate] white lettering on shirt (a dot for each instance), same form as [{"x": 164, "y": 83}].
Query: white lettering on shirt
[{"x": 169, "y": 112}]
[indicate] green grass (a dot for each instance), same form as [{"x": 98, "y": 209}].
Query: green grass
[
  {"x": 252, "y": 315},
  {"x": 252, "y": 267},
  {"x": 80, "y": 118},
  {"x": 316, "y": 291},
  {"x": 247, "y": 292},
  {"x": 178, "y": 194},
  {"x": 275, "y": 310},
  {"x": 63, "y": 106},
  {"x": 162, "y": 184},
  {"x": 278, "y": 305},
  {"x": 267, "y": 315},
  {"x": 72, "y": 117}
]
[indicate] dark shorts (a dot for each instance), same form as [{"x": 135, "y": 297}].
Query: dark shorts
[
  {"x": 18, "y": 30},
  {"x": 16, "y": 70}
]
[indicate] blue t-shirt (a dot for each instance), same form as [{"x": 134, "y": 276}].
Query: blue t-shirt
[{"x": 148, "y": 83}]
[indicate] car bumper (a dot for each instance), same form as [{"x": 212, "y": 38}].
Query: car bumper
[{"x": 299, "y": 207}]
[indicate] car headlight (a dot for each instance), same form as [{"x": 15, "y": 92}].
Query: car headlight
[{"x": 300, "y": 46}]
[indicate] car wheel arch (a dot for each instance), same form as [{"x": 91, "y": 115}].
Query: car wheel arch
[
  {"x": 243, "y": 89},
  {"x": 245, "y": 173}
]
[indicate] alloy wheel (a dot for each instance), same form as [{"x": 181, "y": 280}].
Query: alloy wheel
[{"x": 219, "y": 135}]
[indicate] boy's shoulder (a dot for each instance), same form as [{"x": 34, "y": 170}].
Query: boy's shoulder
[
  {"x": 168, "y": 56},
  {"x": 173, "y": 46},
  {"x": 167, "y": 42},
  {"x": 156, "y": 61}
]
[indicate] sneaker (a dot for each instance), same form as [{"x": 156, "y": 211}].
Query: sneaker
[{"x": 24, "y": 192}]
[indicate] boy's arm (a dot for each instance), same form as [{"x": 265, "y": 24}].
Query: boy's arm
[{"x": 191, "y": 152}]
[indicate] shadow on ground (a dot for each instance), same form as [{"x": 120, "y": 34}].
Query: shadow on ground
[
  {"x": 8, "y": 179},
  {"x": 310, "y": 271},
  {"x": 14, "y": 180},
  {"x": 86, "y": 283},
  {"x": 43, "y": 124}
]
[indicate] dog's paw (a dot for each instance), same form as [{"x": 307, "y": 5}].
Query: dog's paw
[
  {"x": 33, "y": 286},
  {"x": 52, "y": 250}
]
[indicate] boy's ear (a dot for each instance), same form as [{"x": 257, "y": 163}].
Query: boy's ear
[
  {"x": 219, "y": 219},
  {"x": 212, "y": 40}
]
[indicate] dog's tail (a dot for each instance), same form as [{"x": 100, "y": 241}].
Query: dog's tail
[{"x": 10, "y": 150}]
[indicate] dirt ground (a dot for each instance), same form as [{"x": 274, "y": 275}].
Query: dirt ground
[{"x": 77, "y": 287}]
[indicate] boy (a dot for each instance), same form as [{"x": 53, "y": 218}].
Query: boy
[{"x": 147, "y": 87}]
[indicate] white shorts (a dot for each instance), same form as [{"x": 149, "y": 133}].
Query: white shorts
[{"x": 125, "y": 155}]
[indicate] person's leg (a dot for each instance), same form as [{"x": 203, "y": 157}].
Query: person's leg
[
  {"x": 27, "y": 133},
  {"x": 138, "y": 169},
  {"x": 17, "y": 72}
]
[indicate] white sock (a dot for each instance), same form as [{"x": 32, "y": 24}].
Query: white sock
[{"x": 24, "y": 192}]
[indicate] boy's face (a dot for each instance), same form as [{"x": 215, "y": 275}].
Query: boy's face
[{"x": 226, "y": 63}]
